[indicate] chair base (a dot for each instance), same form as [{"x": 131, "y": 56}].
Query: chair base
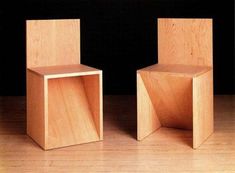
[
  {"x": 64, "y": 111},
  {"x": 175, "y": 100}
]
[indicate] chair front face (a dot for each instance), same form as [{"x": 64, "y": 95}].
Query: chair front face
[
  {"x": 168, "y": 93},
  {"x": 74, "y": 112},
  {"x": 171, "y": 98},
  {"x": 64, "y": 97}
]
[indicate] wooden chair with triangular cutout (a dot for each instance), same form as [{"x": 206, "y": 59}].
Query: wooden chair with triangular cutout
[
  {"x": 64, "y": 98},
  {"x": 178, "y": 91}
]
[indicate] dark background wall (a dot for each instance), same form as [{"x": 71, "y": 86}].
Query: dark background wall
[{"x": 118, "y": 36}]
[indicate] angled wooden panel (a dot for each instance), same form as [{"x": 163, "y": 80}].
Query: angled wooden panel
[
  {"x": 203, "y": 123},
  {"x": 94, "y": 93},
  {"x": 53, "y": 42},
  {"x": 147, "y": 119},
  {"x": 185, "y": 41},
  {"x": 36, "y": 106},
  {"x": 171, "y": 96},
  {"x": 70, "y": 119}
]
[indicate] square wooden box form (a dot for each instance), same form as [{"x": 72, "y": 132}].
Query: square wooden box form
[
  {"x": 64, "y": 97},
  {"x": 178, "y": 91}
]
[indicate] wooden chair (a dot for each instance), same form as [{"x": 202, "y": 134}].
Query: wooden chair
[
  {"x": 178, "y": 91},
  {"x": 64, "y": 98}
]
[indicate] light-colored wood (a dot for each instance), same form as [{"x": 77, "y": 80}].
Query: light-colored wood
[
  {"x": 203, "y": 121},
  {"x": 64, "y": 97},
  {"x": 53, "y": 42},
  {"x": 168, "y": 150},
  {"x": 170, "y": 94},
  {"x": 70, "y": 119},
  {"x": 146, "y": 124},
  {"x": 185, "y": 41},
  {"x": 94, "y": 93},
  {"x": 171, "y": 97},
  {"x": 64, "y": 111},
  {"x": 175, "y": 101},
  {"x": 65, "y": 71},
  {"x": 36, "y": 107},
  {"x": 177, "y": 69}
]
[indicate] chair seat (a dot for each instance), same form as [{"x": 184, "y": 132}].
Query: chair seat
[
  {"x": 177, "y": 69},
  {"x": 64, "y": 71}
]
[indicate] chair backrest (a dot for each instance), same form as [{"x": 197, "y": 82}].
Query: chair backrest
[
  {"x": 53, "y": 42},
  {"x": 185, "y": 41}
]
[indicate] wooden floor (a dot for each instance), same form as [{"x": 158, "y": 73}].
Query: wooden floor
[{"x": 167, "y": 150}]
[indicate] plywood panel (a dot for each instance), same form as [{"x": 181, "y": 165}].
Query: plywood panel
[
  {"x": 203, "y": 123},
  {"x": 177, "y": 69},
  {"x": 147, "y": 118},
  {"x": 94, "y": 92},
  {"x": 70, "y": 119},
  {"x": 185, "y": 41},
  {"x": 53, "y": 42},
  {"x": 171, "y": 96},
  {"x": 36, "y": 107},
  {"x": 65, "y": 71}
]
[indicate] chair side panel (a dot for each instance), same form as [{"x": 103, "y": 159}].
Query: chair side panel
[{"x": 36, "y": 107}]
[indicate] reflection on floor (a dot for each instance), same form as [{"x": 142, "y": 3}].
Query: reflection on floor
[{"x": 167, "y": 150}]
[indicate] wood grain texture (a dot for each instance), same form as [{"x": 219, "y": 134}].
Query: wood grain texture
[
  {"x": 185, "y": 41},
  {"x": 169, "y": 150},
  {"x": 203, "y": 121},
  {"x": 177, "y": 69},
  {"x": 53, "y": 42},
  {"x": 70, "y": 119},
  {"x": 65, "y": 71},
  {"x": 174, "y": 85},
  {"x": 94, "y": 93},
  {"x": 171, "y": 97},
  {"x": 36, "y": 107},
  {"x": 175, "y": 101},
  {"x": 70, "y": 111},
  {"x": 147, "y": 117}
]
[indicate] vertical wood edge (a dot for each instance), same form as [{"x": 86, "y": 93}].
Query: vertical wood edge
[
  {"x": 46, "y": 105},
  {"x": 201, "y": 135},
  {"x": 88, "y": 82},
  {"x": 101, "y": 104},
  {"x": 35, "y": 88},
  {"x": 138, "y": 105}
]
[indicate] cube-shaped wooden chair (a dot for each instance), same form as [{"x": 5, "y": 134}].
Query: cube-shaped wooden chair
[
  {"x": 178, "y": 91},
  {"x": 64, "y": 97}
]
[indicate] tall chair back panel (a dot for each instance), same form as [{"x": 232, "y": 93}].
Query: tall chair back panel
[
  {"x": 185, "y": 41},
  {"x": 53, "y": 42}
]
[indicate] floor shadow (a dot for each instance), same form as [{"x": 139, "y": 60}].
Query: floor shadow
[
  {"x": 120, "y": 112},
  {"x": 12, "y": 115}
]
